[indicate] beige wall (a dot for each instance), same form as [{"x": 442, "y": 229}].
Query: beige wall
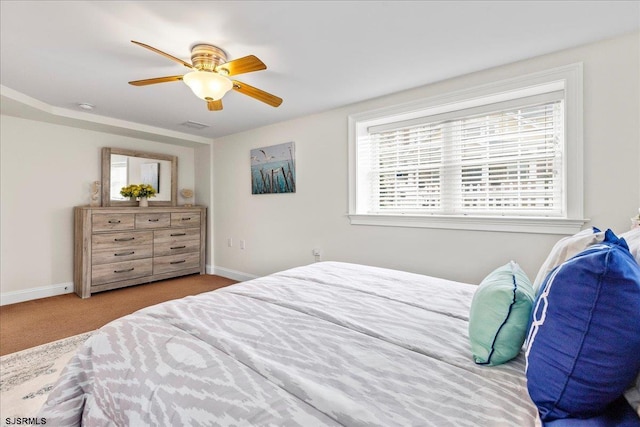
[
  {"x": 281, "y": 230},
  {"x": 46, "y": 169}
]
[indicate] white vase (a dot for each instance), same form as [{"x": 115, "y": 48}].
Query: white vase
[{"x": 143, "y": 202}]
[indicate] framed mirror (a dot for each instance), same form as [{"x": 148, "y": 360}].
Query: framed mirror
[{"x": 122, "y": 167}]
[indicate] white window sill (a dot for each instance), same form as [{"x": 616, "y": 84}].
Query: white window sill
[{"x": 505, "y": 224}]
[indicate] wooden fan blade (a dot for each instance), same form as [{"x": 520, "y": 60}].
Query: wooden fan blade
[
  {"x": 155, "y": 80},
  {"x": 242, "y": 65},
  {"x": 166, "y": 55},
  {"x": 214, "y": 105},
  {"x": 256, "y": 93}
]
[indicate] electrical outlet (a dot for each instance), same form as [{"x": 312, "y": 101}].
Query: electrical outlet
[
  {"x": 229, "y": 242},
  {"x": 242, "y": 245},
  {"x": 317, "y": 253}
]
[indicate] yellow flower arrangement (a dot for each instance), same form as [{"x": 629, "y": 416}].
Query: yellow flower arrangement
[{"x": 138, "y": 190}]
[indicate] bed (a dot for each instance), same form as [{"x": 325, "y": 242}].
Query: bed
[{"x": 326, "y": 344}]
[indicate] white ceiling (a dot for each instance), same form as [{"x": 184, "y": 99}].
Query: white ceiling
[{"x": 320, "y": 54}]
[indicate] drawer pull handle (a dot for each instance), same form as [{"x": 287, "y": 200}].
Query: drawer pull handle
[
  {"x": 178, "y": 234},
  {"x": 124, "y": 271},
  {"x": 178, "y": 262},
  {"x": 124, "y": 239},
  {"x": 178, "y": 247},
  {"x": 125, "y": 253},
  {"x": 186, "y": 219},
  {"x": 114, "y": 221},
  {"x": 153, "y": 220}
]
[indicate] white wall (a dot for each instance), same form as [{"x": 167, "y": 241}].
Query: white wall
[
  {"x": 45, "y": 170},
  {"x": 281, "y": 230},
  {"x": 204, "y": 194}
]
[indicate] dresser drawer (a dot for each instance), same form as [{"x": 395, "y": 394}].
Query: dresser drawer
[
  {"x": 107, "y": 273},
  {"x": 175, "y": 236},
  {"x": 112, "y": 222},
  {"x": 121, "y": 240},
  {"x": 185, "y": 219},
  {"x": 163, "y": 249},
  {"x": 110, "y": 255},
  {"x": 153, "y": 220},
  {"x": 166, "y": 264}
]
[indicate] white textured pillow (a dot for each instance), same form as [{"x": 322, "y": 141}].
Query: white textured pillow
[
  {"x": 632, "y": 238},
  {"x": 566, "y": 248},
  {"x": 633, "y": 395}
]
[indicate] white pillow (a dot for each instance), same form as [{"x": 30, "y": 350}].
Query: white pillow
[
  {"x": 566, "y": 248},
  {"x": 632, "y": 238},
  {"x": 633, "y": 395}
]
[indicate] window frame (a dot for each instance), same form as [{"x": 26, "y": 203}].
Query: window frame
[{"x": 569, "y": 78}]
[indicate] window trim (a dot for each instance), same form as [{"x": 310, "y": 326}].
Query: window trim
[{"x": 571, "y": 75}]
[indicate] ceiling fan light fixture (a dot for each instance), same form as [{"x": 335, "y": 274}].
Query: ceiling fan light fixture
[
  {"x": 209, "y": 78},
  {"x": 207, "y": 85}
]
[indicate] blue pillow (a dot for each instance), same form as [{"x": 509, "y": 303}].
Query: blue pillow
[
  {"x": 583, "y": 347},
  {"x": 619, "y": 414},
  {"x": 499, "y": 315}
]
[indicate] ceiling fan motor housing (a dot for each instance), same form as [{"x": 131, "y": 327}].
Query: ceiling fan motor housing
[{"x": 206, "y": 57}]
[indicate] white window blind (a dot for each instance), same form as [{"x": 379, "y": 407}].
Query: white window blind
[
  {"x": 501, "y": 159},
  {"x": 501, "y": 156}
]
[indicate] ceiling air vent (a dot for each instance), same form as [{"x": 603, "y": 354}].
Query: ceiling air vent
[{"x": 194, "y": 125}]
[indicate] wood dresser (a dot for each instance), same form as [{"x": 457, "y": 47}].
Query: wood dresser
[{"x": 123, "y": 246}]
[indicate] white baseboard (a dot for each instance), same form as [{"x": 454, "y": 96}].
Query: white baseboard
[
  {"x": 67, "y": 288},
  {"x": 35, "y": 293},
  {"x": 231, "y": 274}
]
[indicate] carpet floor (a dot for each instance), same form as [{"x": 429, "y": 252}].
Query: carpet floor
[{"x": 32, "y": 323}]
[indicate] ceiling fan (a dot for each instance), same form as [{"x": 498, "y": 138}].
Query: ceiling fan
[{"x": 209, "y": 78}]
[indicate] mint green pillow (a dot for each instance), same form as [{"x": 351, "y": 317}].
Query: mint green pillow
[{"x": 499, "y": 316}]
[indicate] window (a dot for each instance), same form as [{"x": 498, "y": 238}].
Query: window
[{"x": 504, "y": 157}]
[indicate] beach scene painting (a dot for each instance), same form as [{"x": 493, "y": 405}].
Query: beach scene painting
[{"x": 273, "y": 169}]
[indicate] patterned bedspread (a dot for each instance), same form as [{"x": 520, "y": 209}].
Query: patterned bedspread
[{"x": 327, "y": 344}]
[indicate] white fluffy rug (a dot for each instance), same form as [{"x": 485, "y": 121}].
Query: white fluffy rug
[{"x": 27, "y": 376}]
